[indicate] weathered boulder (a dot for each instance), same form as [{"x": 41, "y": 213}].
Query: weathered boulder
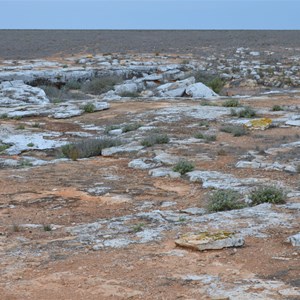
[
  {"x": 210, "y": 241},
  {"x": 126, "y": 88},
  {"x": 200, "y": 90},
  {"x": 15, "y": 93},
  {"x": 174, "y": 89},
  {"x": 294, "y": 240}
]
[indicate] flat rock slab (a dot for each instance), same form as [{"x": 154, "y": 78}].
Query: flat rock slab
[
  {"x": 294, "y": 240},
  {"x": 210, "y": 241}
]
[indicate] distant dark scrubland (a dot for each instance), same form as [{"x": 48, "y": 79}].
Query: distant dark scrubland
[{"x": 33, "y": 44}]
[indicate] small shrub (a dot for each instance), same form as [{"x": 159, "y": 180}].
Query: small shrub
[
  {"x": 204, "y": 123},
  {"x": 207, "y": 103},
  {"x": 20, "y": 127},
  {"x": 216, "y": 85},
  {"x": 30, "y": 144},
  {"x": 267, "y": 194},
  {"x": 183, "y": 167},
  {"x": 298, "y": 168},
  {"x": 25, "y": 163},
  {"x": 99, "y": 86},
  {"x": 47, "y": 227},
  {"x": 277, "y": 108},
  {"x": 3, "y": 148},
  {"x": 88, "y": 148},
  {"x": 36, "y": 125},
  {"x": 4, "y": 116},
  {"x": 222, "y": 200},
  {"x": 130, "y": 94},
  {"x": 221, "y": 152},
  {"x": 210, "y": 137},
  {"x": 73, "y": 85},
  {"x": 155, "y": 139},
  {"x": 89, "y": 108},
  {"x": 247, "y": 112},
  {"x": 138, "y": 227},
  {"x": 16, "y": 228},
  {"x": 131, "y": 127},
  {"x": 199, "y": 135},
  {"x": 233, "y": 113},
  {"x": 231, "y": 103},
  {"x": 111, "y": 127},
  {"x": 235, "y": 130}
]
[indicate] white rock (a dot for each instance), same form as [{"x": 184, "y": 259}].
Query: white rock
[
  {"x": 294, "y": 240},
  {"x": 141, "y": 164},
  {"x": 166, "y": 158},
  {"x": 164, "y": 172},
  {"x": 18, "y": 93},
  {"x": 293, "y": 122},
  {"x": 121, "y": 149},
  {"x": 126, "y": 88},
  {"x": 200, "y": 90}
]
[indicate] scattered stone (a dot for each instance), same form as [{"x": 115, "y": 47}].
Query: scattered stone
[
  {"x": 210, "y": 241},
  {"x": 200, "y": 90},
  {"x": 164, "y": 172}
]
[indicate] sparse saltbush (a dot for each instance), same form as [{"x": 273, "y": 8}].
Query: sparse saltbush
[
  {"x": 183, "y": 167},
  {"x": 3, "y": 148},
  {"x": 20, "y": 127},
  {"x": 246, "y": 112},
  {"x": 99, "y": 86},
  {"x": 25, "y": 163},
  {"x": 138, "y": 227},
  {"x": 73, "y": 85},
  {"x": 154, "y": 139},
  {"x": 111, "y": 127},
  {"x": 47, "y": 227},
  {"x": 221, "y": 152},
  {"x": 277, "y": 108},
  {"x": 131, "y": 127},
  {"x": 267, "y": 194},
  {"x": 235, "y": 130},
  {"x": 30, "y": 144},
  {"x": 206, "y": 137},
  {"x": 207, "y": 103},
  {"x": 211, "y": 80},
  {"x": 4, "y": 116},
  {"x": 223, "y": 200},
  {"x": 204, "y": 124},
  {"x": 231, "y": 103},
  {"x": 89, "y": 108},
  {"x": 88, "y": 147},
  {"x": 130, "y": 94}
]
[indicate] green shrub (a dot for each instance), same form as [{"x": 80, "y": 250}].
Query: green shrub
[
  {"x": 247, "y": 112},
  {"x": 3, "y": 148},
  {"x": 88, "y": 148},
  {"x": 210, "y": 137},
  {"x": 216, "y": 85},
  {"x": 155, "y": 139},
  {"x": 47, "y": 227},
  {"x": 130, "y": 94},
  {"x": 222, "y": 200},
  {"x": 131, "y": 127},
  {"x": 183, "y": 167},
  {"x": 211, "y": 80},
  {"x": 231, "y": 103},
  {"x": 4, "y": 116},
  {"x": 267, "y": 194},
  {"x": 89, "y": 108},
  {"x": 20, "y": 127},
  {"x": 235, "y": 130},
  {"x": 73, "y": 85},
  {"x": 277, "y": 108},
  {"x": 99, "y": 86},
  {"x": 204, "y": 124},
  {"x": 30, "y": 144},
  {"x": 111, "y": 127},
  {"x": 199, "y": 135}
]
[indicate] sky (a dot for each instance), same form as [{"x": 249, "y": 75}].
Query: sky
[{"x": 150, "y": 14}]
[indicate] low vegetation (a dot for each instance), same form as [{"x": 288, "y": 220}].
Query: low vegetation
[
  {"x": 211, "y": 80},
  {"x": 267, "y": 194},
  {"x": 246, "y": 112},
  {"x": 277, "y": 108},
  {"x": 89, "y": 108},
  {"x": 99, "y": 86},
  {"x": 231, "y": 103},
  {"x": 131, "y": 127},
  {"x": 235, "y": 130},
  {"x": 154, "y": 139},
  {"x": 88, "y": 148},
  {"x": 223, "y": 200},
  {"x": 183, "y": 167},
  {"x": 130, "y": 94},
  {"x": 206, "y": 137}
]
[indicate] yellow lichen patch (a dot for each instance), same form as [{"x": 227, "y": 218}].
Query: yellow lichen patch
[
  {"x": 259, "y": 124},
  {"x": 90, "y": 56},
  {"x": 208, "y": 236}
]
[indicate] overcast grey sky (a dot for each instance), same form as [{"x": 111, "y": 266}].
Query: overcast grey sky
[{"x": 150, "y": 14}]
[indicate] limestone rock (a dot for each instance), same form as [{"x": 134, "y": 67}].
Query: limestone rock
[
  {"x": 14, "y": 93},
  {"x": 164, "y": 172},
  {"x": 200, "y": 90},
  {"x": 294, "y": 240},
  {"x": 126, "y": 88},
  {"x": 210, "y": 241}
]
